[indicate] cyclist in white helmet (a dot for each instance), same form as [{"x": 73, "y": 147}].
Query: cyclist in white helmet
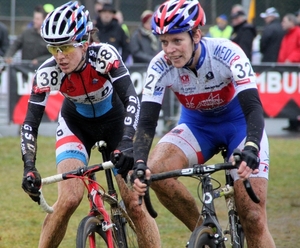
[
  {"x": 220, "y": 106},
  {"x": 100, "y": 104}
]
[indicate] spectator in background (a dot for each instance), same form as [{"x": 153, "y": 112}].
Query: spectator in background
[
  {"x": 243, "y": 32},
  {"x": 4, "y": 44},
  {"x": 32, "y": 46},
  {"x": 297, "y": 14},
  {"x": 98, "y": 5},
  {"x": 221, "y": 29},
  {"x": 144, "y": 44},
  {"x": 111, "y": 32},
  {"x": 48, "y": 7},
  {"x": 271, "y": 36},
  {"x": 4, "y": 39},
  {"x": 290, "y": 53},
  {"x": 290, "y": 45},
  {"x": 120, "y": 19}
]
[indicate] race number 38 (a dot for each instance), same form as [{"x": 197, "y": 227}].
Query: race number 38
[
  {"x": 48, "y": 77},
  {"x": 105, "y": 58}
]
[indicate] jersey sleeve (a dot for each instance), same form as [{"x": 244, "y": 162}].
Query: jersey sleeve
[
  {"x": 241, "y": 69},
  {"x": 29, "y": 129},
  {"x": 157, "y": 79},
  {"x": 46, "y": 79},
  {"x": 110, "y": 62},
  {"x": 131, "y": 102},
  {"x": 247, "y": 93}
]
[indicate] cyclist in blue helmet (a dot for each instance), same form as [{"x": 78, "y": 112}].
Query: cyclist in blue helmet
[
  {"x": 100, "y": 104},
  {"x": 220, "y": 106}
]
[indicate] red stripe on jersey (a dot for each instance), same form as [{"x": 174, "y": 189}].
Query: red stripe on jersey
[
  {"x": 68, "y": 139},
  {"x": 244, "y": 81}
]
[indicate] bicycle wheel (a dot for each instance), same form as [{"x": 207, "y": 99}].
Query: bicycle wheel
[
  {"x": 126, "y": 238},
  {"x": 241, "y": 235},
  {"x": 90, "y": 233},
  {"x": 203, "y": 237}
]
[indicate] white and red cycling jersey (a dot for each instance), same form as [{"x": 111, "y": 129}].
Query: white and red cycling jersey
[
  {"x": 219, "y": 99},
  {"x": 223, "y": 71},
  {"x": 100, "y": 104}
]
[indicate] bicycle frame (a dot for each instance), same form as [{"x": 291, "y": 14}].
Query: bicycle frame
[
  {"x": 235, "y": 227},
  {"x": 210, "y": 225},
  {"x": 97, "y": 208},
  {"x": 209, "y": 213},
  {"x": 96, "y": 194}
]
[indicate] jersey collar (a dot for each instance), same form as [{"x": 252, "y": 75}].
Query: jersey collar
[{"x": 202, "y": 55}]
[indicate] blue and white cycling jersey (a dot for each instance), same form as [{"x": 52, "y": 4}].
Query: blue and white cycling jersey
[
  {"x": 219, "y": 99},
  {"x": 223, "y": 70}
]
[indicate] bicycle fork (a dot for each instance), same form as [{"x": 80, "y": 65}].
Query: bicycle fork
[
  {"x": 235, "y": 228},
  {"x": 97, "y": 207},
  {"x": 234, "y": 225}
]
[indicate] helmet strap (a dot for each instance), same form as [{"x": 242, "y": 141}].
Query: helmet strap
[
  {"x": 77, "y": 67},
  {"x": 191, "y": 60}
]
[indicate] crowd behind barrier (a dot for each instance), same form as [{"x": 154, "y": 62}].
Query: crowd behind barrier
[{"x": 278, "y": 85}]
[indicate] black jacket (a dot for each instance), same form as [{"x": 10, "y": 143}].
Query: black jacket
[
  {"x": 4, "y": 40},
  {"x": 270, "y": 41},
  {"x": 141, "y": 49},
  {"x": 243, "y": 35},
  {"x": 32, "y": 46},
  {"x": 113, "y": 34}
]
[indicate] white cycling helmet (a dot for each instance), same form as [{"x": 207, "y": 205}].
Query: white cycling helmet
[{"x": 69, "y": 22}]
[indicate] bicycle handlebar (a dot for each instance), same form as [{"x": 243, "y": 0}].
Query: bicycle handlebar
[
  {"x": 82, "y": 171},
  {"x": 197, "y": 170}
]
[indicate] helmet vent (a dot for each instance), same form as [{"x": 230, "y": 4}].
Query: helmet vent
[
  {"x": 191, "y": 10},
  {"x": 66, "y": 23}
]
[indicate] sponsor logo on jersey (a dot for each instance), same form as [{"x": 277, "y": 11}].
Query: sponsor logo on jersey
[
  {"x": 158, "y": 91},
  {"x": 209, "y": 75},
  {"x": 95, "y": 81},
  {"x": 177, "y": 131},
  {"x": 159, "y": 66},
  {"x": 225, "y": 54},
  {"x": 185, "y": 79}
]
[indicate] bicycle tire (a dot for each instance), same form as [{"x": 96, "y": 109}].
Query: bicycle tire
[
  {"x": 202, "y": 237},
  {"x": 90, "y": 225},
  {"x": 127, "y": 237},
  {"x": 241, "y": 235}
]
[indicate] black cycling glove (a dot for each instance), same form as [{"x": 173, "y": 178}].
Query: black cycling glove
[
  {"x": 250, "y": 156},
  {"x": 31, "y": 182},
  {"x": 122, "y": 157}
]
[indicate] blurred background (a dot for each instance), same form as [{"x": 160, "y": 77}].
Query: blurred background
[{"x": 17, "y": 13}]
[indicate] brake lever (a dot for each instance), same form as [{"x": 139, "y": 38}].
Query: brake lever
[
  {"x": 237, "y": 155},
  {"x": 140, "y": 174}
]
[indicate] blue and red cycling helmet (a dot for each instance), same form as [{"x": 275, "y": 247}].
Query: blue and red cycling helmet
[
  {"x": 69, "y": 22},
  {"x": 177, "y": 16}
]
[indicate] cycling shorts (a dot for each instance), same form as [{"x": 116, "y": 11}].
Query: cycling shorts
[
  {"x": 75, "y": 138},
  {"x": 199, "y": 143}
]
